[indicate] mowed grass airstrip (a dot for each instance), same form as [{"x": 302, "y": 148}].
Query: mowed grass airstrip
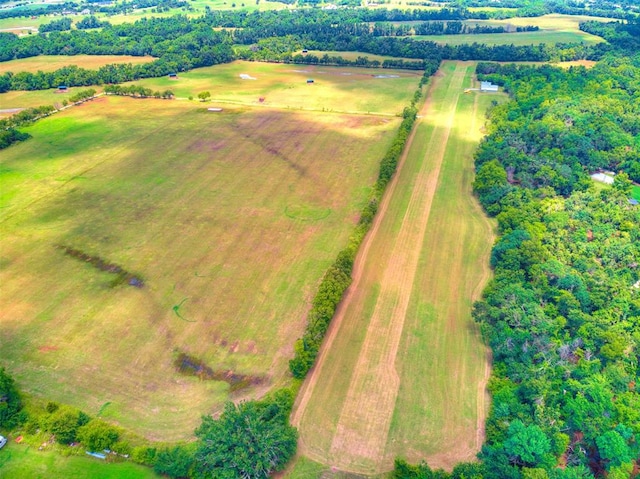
[
  {"x": 230, "y": 218},
  {"x": 403, "y": 370}
]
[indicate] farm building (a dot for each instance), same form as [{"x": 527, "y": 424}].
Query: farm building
[
  {"x": 63, "y": 88},
  {"x": 173, "y": 75},
  {"x": 488, "y": 86},
  {"x": 309, "y": 80}
]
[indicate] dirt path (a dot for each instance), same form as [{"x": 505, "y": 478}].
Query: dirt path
[{"x": 364, "y": 421}]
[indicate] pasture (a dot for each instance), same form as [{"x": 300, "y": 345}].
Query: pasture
[
  {"x": 337, "y": 89},
  {"x": 49, "y": 63},
  {"x": 403, "y": 368},
  {"x": 26, "y": 461},
  {"x": 516, "y": 38},
  {"x": 227, "y": 219},
  {"x": 554, "y": 28}
]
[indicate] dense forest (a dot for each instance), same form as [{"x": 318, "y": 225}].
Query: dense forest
[{"x": 562, "y": 314}]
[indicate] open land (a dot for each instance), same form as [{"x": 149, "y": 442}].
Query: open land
[
  {"x": 228, "y": 219},
  {"x": 554, "y": 28},
  {"x": 343, "y": 89},
  {"x": 516, "y": 38},
  {"x": 403, "y": 369},
  {"x": 20, "y": 460},
  {"x": 358, "y": 90},
  {"x": 49, "y": 63}
]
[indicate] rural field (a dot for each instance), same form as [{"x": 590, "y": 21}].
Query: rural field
[
  {"x": 344, "y": 89},
  {"x": 403, "y": 369},
  {"x": 357, "y": 90},
  {"x": 49, "y": 63},
  {"x": 136, "y": 232},
  {"x": 554, "y": 28}
]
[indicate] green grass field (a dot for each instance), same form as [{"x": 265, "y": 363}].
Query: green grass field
[
  {"x": 17, "y": 460},
  {"x": 554, "y": 28},
  {"x": 403, "y": 369},
  {"x": 230, "y": 218},
  {"x": 282, "y": 86},
  {"x": 635, "y": 192},
  {"x": 520, "y": 38},
  {"x": 357, "y": 90},
  {"x": 49, "y": 63}
]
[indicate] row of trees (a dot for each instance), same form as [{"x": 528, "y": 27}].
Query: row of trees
[{"x": 137, "y": 91}]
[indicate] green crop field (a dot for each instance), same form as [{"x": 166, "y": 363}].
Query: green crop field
[
  {"x": 26, "y": 461},
  {"x": 49, "y": 63},
  {"x": 358, "y": 90},
  {"x": 403, "y": 369},
  {"x": 229, "y": 219}
]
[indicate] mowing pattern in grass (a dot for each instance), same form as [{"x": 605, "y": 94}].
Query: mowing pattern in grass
[
  {"x": 403, "y": 369},
  {"x": 200, "y": 206}
]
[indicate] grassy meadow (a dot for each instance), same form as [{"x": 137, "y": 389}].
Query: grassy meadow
[
  {"x": 18, "y": 460},
  {"x": 403, "y": 369},
  {"x": 554, "y": 28},
  {"x": 49, "y": 63},
  {"x": 230, "y": 219},
  {"x": 282, "y": 86},
  {"x": 357, "y": 90}
]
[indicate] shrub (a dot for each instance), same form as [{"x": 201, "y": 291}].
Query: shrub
[{"x": 97, "y": 435}]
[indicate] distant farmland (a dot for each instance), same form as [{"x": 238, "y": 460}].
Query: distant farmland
[
  {"x": 403, "y": 370},
  {"x": 228, "y": 221},
  {"x": 554, "y": 29},
  {"x": 49, "y": 63}
]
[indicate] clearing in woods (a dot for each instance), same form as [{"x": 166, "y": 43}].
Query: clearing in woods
[
  {"x": 403, "y": 369},
  {"x": 230, "y": 219}
]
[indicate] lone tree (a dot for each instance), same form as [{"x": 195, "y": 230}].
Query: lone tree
[
  {"x": 204, "y": 95},
  {"x": 250, "y": 440}
]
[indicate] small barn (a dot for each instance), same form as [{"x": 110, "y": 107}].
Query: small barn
[
  {"x": 173, "y": 76},
  {"x": 310, "y": 80},
  {"x": 488, "y": 86},
  {"x": 63, "y": 88}
]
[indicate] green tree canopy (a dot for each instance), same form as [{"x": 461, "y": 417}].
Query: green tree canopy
[{"x": 250, "y": 440}]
